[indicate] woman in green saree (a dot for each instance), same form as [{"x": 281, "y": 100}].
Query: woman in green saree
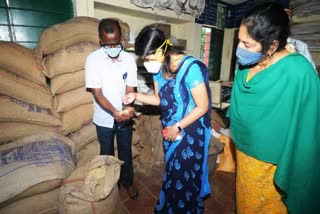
[{"x": 274, "y": 119}]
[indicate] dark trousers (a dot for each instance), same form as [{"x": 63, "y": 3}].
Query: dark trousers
[{"x": 124, "y": 139}]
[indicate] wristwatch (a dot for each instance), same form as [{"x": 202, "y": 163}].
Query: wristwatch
[{"x": 179, "y": 127}]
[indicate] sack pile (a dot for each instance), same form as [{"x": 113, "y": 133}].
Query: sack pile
[
  {"x": 46, "y": 116},
  {"x": 26, "y": 101},
  {"x": 62, "y": 51},
  {"x": 32, "y": 169}
]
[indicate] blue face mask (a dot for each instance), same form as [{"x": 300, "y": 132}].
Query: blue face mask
[
  {"x": 247, "y": 57},
  {"x": 112, "y": 52}
]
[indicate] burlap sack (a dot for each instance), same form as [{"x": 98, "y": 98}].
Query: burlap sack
[
  {"x": 92, "y": 188},
  {"x": 148, "y": 130},
  {"x": 44, "y": 203},
  {"x": 67, "y": 82},
  {"x": 71, "y": 99},
  {"x": 68, "y": 60},
  {"x": 88, "y": 152},
  {"x": 22, "y": 89},
  {"x": 84, "y": 136},
  {"x": 68, "y": 33},
  {"x": 13, "y": 110},
  {"x": 227, "y": 159},
  {"x": 10, "y": 131},
  {"x": 21, "y": 61},
  {"x": 34, "y": 160},
  {"x": 125, "y": 32},
  {"x": 76, "y": 118}
]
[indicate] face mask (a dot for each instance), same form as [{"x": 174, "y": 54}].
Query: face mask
[
  {"x": 112, "y": 52},
  {"x": 247, "y": 57},
  {"x": 153, "y": 66}
]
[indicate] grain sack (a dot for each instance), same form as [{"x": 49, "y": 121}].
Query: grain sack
[
  {"x": 68, "y": 33},
  {"x": 92, "y": 188},
  {"x": 84, "y": 136},
  {"x": 125, "y": 32},
  {"x": 68, "y": 60},
  {"x": 13, "y": 110},
  {"x": 148, "y": 128},
  {"x": 21, "y": 61},
  {"x": 227, "y": 159},
  {"x": 44, "y": 203},
  {"x": 22, "y": 89},
  {"x": 67, "y": 82},
  {"x": 214, "y": 150},
  {"x": 76, "y": 118},
  {"x": 88, "y": 152},
  {"x": 71, "y": 99},
  {"x": 30, "y": 162},
  {"x": 12, "y": 131}
]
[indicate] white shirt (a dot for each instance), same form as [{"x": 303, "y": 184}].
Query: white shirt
[{"x": 112, "y": 78}]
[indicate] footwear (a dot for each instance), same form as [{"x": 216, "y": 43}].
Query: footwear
[{"x": 132, "y": 192}]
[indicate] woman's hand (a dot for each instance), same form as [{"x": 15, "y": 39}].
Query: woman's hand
[
  {"x": 129, "y": 98},
  {"x": 171, "y": 133}
]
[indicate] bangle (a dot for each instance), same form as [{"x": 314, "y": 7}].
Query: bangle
[{"x": 179, "y": 127}]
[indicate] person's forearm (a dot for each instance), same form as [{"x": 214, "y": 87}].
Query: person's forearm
[
  {"x": 194, "y": 115},
  {"x": 149, "y": 99},
  {"x": 105, "y": 104}
]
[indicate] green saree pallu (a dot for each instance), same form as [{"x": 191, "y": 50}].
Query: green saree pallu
[{"x": 275, "y": 118}]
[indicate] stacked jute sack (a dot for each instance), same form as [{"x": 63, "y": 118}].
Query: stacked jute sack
[
  {"x": 38, "y": 175},
  {"x": 25, "y": 101},
  {"x": 32, "y": 171},
  {"x": 62, "y": 52},
  {"x": 46, "y": 129}
]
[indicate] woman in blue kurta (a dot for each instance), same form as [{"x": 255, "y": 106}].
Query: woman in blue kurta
[{"x": 183, "y": 94}]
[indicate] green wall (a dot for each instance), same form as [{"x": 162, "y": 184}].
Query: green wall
[{"x": 23, "y": 21}]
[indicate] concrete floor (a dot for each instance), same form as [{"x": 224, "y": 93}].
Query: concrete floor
[{"x": 221, "y": 201}]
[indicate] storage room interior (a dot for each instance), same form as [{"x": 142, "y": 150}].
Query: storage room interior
[{"x": 47, "y": 138}]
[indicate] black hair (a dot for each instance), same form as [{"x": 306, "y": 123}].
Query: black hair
[
  {"x": 107, "y": 26},
  {"x": 268, "y": 22},
  {"x": 149, "y": 40}
]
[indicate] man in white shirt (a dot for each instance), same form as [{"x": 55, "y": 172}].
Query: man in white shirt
[{"x": 110, "y": 74}]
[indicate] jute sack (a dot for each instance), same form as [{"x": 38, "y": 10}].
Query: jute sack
[
  {"x": 68, "y": 33},
  {"x": 215, "y": 148},
  {"x": 68, "y": 60},
  {"x": 10, "y": 131},
  {"x": 21, "y": 61},
  {"x": 148, "y": 129},
  {"x": 76, "y": 118},
  {"x": 44, "y": 203},
  {"x": 84, "y": 136},
  {"x": 28, "y": 163},
  {"x": 125, "y": 32},
  {"x": 88, "y": 152},
  {"x": 22, "y": 89},
  {"x": 67, "y": 82},
  {"x": 227, "y": 159},
  {"x": 92, "y": 188},
  {"x": 13, "y": 110},
  {"x": 71, "y": 99}
]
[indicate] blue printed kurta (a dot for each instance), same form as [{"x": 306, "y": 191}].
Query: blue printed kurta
[{"x": 185, "y": 181}]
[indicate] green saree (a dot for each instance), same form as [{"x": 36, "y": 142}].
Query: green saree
[{"x": 275, "y": 118}]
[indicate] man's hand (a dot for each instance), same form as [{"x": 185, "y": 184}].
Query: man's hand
[{"x": 124, "y": 115}]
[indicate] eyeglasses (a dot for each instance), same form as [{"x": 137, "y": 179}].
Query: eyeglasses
[{"x": 118, "y": 45}]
